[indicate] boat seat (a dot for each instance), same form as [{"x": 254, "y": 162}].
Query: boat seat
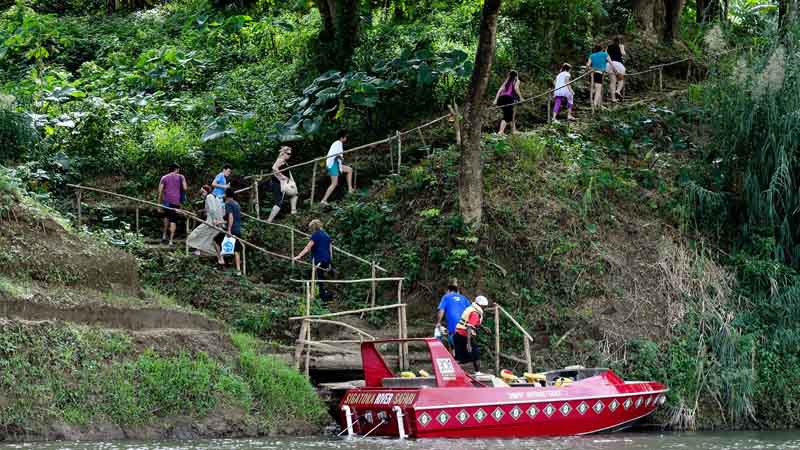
[{"x": 409, "y": 382}]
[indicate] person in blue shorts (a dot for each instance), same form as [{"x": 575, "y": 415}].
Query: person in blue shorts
[
  {"x": 336, "y": 167},
  {"x": 451, "y": 307}
]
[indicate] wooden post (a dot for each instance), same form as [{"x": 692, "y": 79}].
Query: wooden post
[
  {"x": 496, "y": 339},
  {"x": 528, "y": 353},
  {"x": 425, "y": 144},
  {"x": 661, "y": 79},
  {"x": 313, "y": 182},
  {"x": 403, "y": 329},
  {"x": 591, "y": 90},
  {"x": 292, "y": 242},
  {"x": 308, "y": 350},
  {"x": 78, "y": 203},
  {"x": 256, "y": 203},
  {"x": 405, "y": 336},
  {"x": 458, "y": 123},
  {"x": 374, "y": 286},
  {"x": 298, "y": 349},
  {"x": 549, "y": 120},
  {"x": 244, "y": 260},
  {"x": 186, "y": 244},
  {"x": 137, "y": 220},
  {"x": 400, "y": 336},
  {"x": 391, "y": 153},
  {"x": 399, "y": 151},
  {"x": 689, "y": 70},
  {"x": 312, "y": 286}
]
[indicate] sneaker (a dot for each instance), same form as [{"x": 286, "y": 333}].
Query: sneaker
[{"x": 556, "y": 121}]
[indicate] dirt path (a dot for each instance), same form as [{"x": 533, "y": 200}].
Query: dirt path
[{"x": 111, "y": 317}]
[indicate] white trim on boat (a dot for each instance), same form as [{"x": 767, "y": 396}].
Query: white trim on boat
[
  {"x": 618, "y": 425},
  {"x": 539, "y": 400}
]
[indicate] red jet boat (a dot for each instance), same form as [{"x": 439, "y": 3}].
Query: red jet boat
[{"x": 452, "y": 404}]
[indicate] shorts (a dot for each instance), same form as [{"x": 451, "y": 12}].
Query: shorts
[
  {"x": 171, "y": 214},
  {"x": 597, "y": 77},
  {"x": 277, "y": 192},
  {"x": 334, "y": 170},
  {"x": 462, "y": 355},
  {"x": 506, "y": 103},
  {"x": 221, "y": 237}
]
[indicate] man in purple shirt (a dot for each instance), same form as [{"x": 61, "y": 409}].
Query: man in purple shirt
[{"x": 169, "y": 196}]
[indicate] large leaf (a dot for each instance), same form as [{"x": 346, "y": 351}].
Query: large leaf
[
  {"x": 216, "y": 131},
  {"x": 312, "y": 125}
]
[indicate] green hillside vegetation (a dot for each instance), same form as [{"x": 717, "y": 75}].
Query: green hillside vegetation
[{"x": 658, "y": 237}]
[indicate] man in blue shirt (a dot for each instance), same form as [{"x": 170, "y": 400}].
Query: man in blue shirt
[
  {"x": 233, "y": 226},
  {"x": 451, "y": 307},
  {"x": 321, "y": 248},
  {"x": 599, "y": 61},
  {"x": 221, "y": 182}
]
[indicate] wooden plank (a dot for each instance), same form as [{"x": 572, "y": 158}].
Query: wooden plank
[
  {"x": 137, "y": 221},
  {"x": 360, "y": 280},
  {"x": 344, "y": 313}
]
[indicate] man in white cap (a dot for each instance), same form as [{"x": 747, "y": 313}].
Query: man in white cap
[{"x": 464, "y": 341}]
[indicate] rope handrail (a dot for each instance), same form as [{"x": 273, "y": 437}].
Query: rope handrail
[
  {"x": 304, "y": 234},
  {"x": 186, "y": 214},
  {"x": 439, "y": 119}
]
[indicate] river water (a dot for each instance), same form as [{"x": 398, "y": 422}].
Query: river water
[{"x": 627, "y": 441}]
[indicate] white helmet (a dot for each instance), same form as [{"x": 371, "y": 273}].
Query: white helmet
[{"x": 482, "y": 301}]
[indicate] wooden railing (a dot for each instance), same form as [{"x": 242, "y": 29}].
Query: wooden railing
[
  {"x": 245, "y": 244},
  {"x": 499, "y": 312},
  {"x": 79, "y": 189},
  {"x": 305, "y": 342}
]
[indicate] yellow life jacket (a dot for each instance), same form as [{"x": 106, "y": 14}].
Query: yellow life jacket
[{"x": 462, "y": 323}]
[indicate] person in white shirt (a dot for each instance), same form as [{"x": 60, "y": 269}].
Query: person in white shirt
[
  {"x": 336, "y": 167},
  {"x": 563, "y": 93}
]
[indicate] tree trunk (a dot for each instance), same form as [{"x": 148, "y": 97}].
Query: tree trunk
[
  {"x": 470, "y": 185},
  {"x": 700, "y": 7},
  {"x": 788, "y": 12},
  {"x": 348, "y": 21},
  {"x": 659, "y": 18}
]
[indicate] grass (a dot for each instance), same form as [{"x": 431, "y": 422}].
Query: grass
[{"x": 51, "y": 373}]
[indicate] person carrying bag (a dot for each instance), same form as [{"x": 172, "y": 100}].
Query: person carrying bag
[{"x": 281, "y": 185}]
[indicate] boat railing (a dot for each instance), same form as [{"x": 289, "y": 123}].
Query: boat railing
[{"x": 305, "y": 342}]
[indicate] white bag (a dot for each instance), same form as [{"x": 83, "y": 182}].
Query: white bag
[
  {"x": 228, "y": 245},
  {"x": 289, "y": 187}
]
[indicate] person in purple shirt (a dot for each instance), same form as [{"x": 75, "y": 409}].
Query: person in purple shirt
[
  {"x": 169, "y": 195},
  {"x": 451, "y": 307}
]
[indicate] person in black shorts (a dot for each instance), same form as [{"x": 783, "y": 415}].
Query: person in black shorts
[
  {"x": 233, "y": 225},
  {"x": 278, "y": 184},
  {"x": 506, "y": 97}
]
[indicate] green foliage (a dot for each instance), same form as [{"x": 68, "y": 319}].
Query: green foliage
[
  {"x": 757, "y": 148},
  {"x": 17, "y": 133},
  {"x": 283, "y": 393}
]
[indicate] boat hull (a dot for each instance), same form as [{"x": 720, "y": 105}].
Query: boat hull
[{"x": 513, "y": 412}]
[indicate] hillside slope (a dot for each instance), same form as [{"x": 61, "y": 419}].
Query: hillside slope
[{"x": 86, "y": 353}]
